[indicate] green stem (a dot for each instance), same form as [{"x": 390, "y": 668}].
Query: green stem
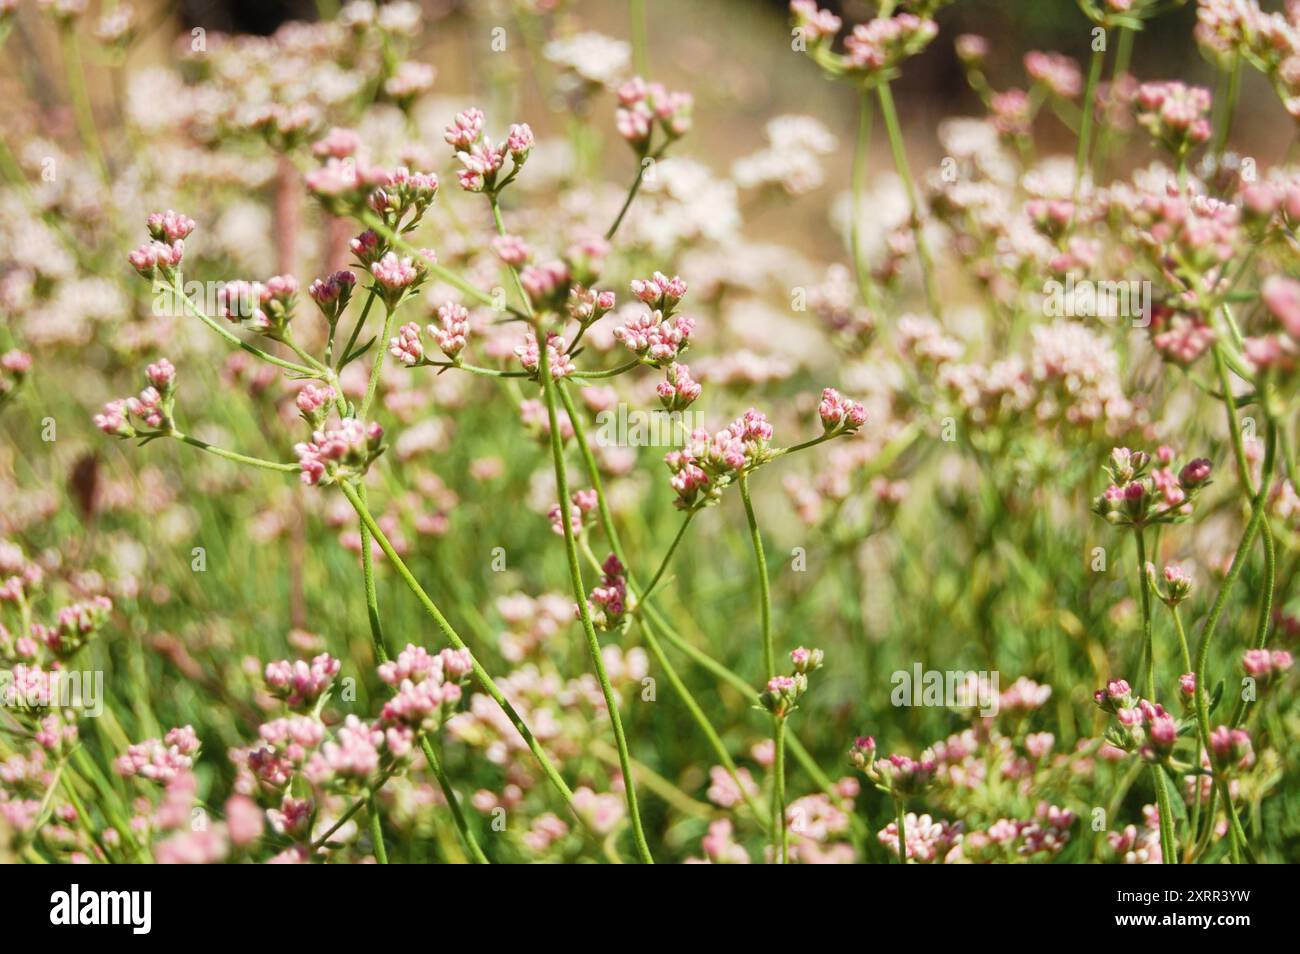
[
  {"x": 449, "y": 633},
  {"x": 1168, "y": 844},
  {"x": 234, "y": 339},
  {"x": 764, "y": 590},
  {"x": 627, "y": 202},
  {"x": 779, "y": 834},
  {"x": 376, "y": 830},
  {"x": 902, "y": 834},
  {"x": 899, "y": 150},
  {"x": 82, "y": 112},
  {"x": 377, "y": 365},
  {"x": 453, "y": 803},
  {"x": 1229, "y": 109},
  {"x": 1089, "y": 107},
  {"x": 859, "y": 182},
  {"x": 580, "y": 597},
  {"x": 1148, "y": 639},
  {"x": 371, "y": 221},
  {"x": 356, "y": 329},
  {"x": 286, "y": 468},
  {"x": 781, "y": 842},
  {"x": 642, "y": 598},
  {"x": 663, "y": 564}
]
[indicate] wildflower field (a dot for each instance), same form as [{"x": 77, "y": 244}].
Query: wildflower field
[{"x": 512, "y": 431}]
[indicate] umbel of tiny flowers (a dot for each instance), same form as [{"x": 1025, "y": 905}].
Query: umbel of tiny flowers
[
  {"x": 1263, "y": 664},
  {"x": 873, "y": 50},
  {"x": 1176, "y": 115},
  {"x": 1138, "y": 499},
  {"x": 1230, "y": 750},
  {"x": 314, "y": 401},
  {"x": 557, "y": 355},
  {"x": 1178, "y": 583},
  {"x": 899, "y": 776},
  {"x": 301, "y": 684},
  {"x": 396, "y": 276},
  {"x": 782, "y": 693},
  {"x": 481, "y": 161},
  {"x": 644, "y": 107},
  {"x": 709, "y": 462},
  {"x": 149, "y": 415},
  {"x": 679, "y": 390},
  {"x": 657, "y": 337},
  {"x": 402, "y": 197},
  {"x": 1119, "y": 13},
  {"x": 840, "y": 415},
  {"x": 1141, "y": 726},
  {"x": 608, "y": 601},
  {"x": 339, "y": 451},
  {"x": 451, "y": 334},
  {"x": 332, "y": 294},
  {"x": 588, "y": 305},
  {"x": 267, "y": 307}
]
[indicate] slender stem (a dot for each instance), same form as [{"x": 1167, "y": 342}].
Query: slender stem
[
  {"x": 781, "y": 842},
  {"x": 1089, "y": 107},
  {"x": 653, "y": 618},
  {"x": 453, "y": 803},
  {"x": 642, "y": 603},
  {"x": 627, "y": 202},
  {"x": 1229, "y": 108},
  {"x": 702, "y": 720},
  {"x": 764, "y": 590},
  {"x": 372, "y": 221},
  {"x": 780, "y": 836},
  {"x": 368, "y": 581},
  {"x": 1148, "y": 639},
  {"x": 376, "y": 830},
  {"x": 609, "y": 373},
  {"x": 1167, "y": 845},
  {"x": 356, "y": 329},
  {"x": 286, "y": 468},
  {"x": 640, "y": 60},
  {"x": 84, "y": 115},
  {"x": 377, "y": 365},
  {"x": 896, "y": 145},
  {"x": 1123, "y": 57},
  {"x": 449, "y": 633},
  {"x": 859, "y": 182},
  {"x": 1168, "y": 842},
  {"x": 902, "y": 834},
  {"x": 663, "y": 564},
  {"x": 475, "y": 369},
  {"x": 580, "y": 596},
  {"x": 381, "y": 654},
  {"x": 234, "y": 339}
]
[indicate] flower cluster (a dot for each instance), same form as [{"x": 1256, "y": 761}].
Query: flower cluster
[
  {"x": 1139, "y": 496},
  {"x": 481, "y": 161}
]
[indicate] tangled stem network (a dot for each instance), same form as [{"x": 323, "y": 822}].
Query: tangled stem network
[{"x": 1034, "y": 426}]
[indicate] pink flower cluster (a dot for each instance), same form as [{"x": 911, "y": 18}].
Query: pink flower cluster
[
  {"x": 160, "y": 760},
  {"x": 642, "y": 106},
  {"x": 557, "y": 357},
  {"x": 351, "y": 444},
  {"x": 301, "y": 684},
  {"x": 481, "y": 161},
  {"x": 708, "y": 462}
]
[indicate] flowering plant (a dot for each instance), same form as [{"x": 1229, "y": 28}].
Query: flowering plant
[{"x": 373, "y": 565}]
